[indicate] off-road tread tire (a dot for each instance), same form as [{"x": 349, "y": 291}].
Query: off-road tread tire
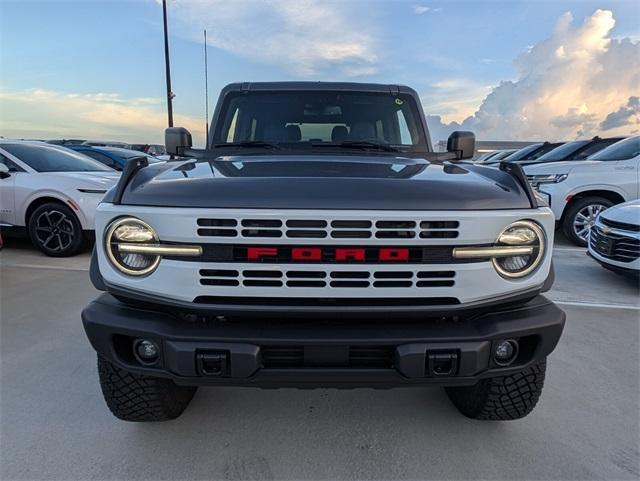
[
  {"x": 501, "y": 398},
  {"x": 575, "y": 207},
  {"x": 139, "y": 398}
]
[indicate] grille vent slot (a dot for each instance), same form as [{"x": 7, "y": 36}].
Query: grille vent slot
[
  {"x": 326, "y": 279},
  {"x": 328, "y": 228},
  {"x": 359, "y": 357}
]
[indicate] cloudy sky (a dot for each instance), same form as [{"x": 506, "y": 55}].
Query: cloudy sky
[{"x": 556, "y": 70}]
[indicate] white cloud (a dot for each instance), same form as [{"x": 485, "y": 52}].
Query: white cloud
[
  {"x": 421, "y": 9},
  {"x": 307, "y": 37},
  {"x": 45, "y": 114},
  {"x": 566, "y": 86},
  {"x": 455, "y": 98}
]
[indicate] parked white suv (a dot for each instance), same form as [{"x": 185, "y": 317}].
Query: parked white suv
[{"x": 578, "y": 190}]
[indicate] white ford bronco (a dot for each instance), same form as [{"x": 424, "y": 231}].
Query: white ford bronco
[{"x": 318, "y": 241}]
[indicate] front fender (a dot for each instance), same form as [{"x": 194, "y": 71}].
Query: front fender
[
  {"x": 26, "y": 201},
  {"x": 591, "y": 187}
]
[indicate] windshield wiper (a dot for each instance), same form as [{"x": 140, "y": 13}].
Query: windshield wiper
[
  {"x": 361, "y": 144},
  {"x": 249, "y": 144}
]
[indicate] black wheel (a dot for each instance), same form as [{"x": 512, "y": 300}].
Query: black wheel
[
  {"x": 501, "y": 398},
  {"x": 55, "y": 230},
  {"x": 580, "y": 216},
  {"x": 134, "y": 397}
]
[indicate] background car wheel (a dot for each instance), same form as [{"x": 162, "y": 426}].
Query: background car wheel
[
  {"x": 55, "y": 230},
  {"x": 135, "y": 397},
  {"x": 501, "y": 398},
  {"x": 580, "y": 216}
]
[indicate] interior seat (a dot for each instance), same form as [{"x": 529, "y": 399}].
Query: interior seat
[
  {"x": 339, "y": 134},
  {"x": 293, "y": 133},
  {"x": 274, "y": 133},
  {"x": 363, "y": 131}
]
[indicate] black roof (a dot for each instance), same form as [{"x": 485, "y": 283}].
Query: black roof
[{"x": 305, "y": 86}]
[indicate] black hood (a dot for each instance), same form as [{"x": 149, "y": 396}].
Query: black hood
[{"x": 324, "y": 182}]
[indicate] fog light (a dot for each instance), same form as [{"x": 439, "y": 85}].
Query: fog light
[
  {"x": 146, "y": 351},
  {"x": 505, "y": 352}
]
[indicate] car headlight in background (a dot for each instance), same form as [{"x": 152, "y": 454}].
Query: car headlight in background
[
  {"x": 536, "y": 180},
  {"x": 517, "y": 252},
  {"x": 542, "y": 198}
]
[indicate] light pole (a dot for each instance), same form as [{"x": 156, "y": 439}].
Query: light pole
[{"x": 170, "y": 94}]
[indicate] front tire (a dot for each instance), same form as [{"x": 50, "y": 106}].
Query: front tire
[
  {"x": 140, "y": 398},
  {"x": 580, "y": 216},
  {"x": 56, "y": 230},
  {"x": 501, "y": 398}
]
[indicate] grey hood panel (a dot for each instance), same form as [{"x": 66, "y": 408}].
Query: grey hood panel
[{"x": 324, "y": 182}]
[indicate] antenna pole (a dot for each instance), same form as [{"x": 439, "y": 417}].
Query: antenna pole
[
  {"x": 170, "y": 94},
  {"x": 206, "y": 90}
]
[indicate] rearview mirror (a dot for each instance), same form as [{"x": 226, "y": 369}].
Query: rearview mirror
[
  {"x": 177, "y": 140},
  {"x": 4, "y": 171},
  {"x": 463, "y": 144}
]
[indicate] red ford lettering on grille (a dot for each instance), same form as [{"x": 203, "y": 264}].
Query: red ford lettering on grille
[
  {"x": 258, "y": 253},
  {"x": 306, "y": 254},
  {"x": 387, "y": 255},
  {"x": 328, "y": 254},
  {"x": 343, "y": 255}
]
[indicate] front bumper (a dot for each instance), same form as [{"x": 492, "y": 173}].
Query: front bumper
[{"x": 268, "y": 352}]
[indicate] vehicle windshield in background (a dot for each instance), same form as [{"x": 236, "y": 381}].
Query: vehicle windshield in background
[
  {"x": 523, "y": 152},
  {"x": 129, "y": 154},
  {"x": 139, "y": 147},
  {"x": 595, "y": 146},
  {"x": 564, "y": 151},
  {"x": 51, "y": 158},
  {"x": 321, "y": 119},
  {"x": 533, "y": 151},
  {"x": 623, "y": 150}
]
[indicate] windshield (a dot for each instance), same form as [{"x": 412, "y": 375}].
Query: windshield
[
  {"x": 290, "y": 119},
  {"x": 51, "y": 158},
  {"x": 523, "y": 152},
  {"x": 623, "y": 150},
  {"x": 128, "y": 154},
  {"x": 563, "y": 151},
  {"x": 503, "y": 155}
]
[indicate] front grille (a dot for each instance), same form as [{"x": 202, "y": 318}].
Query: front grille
[
  {"x": 614, "y": 246},
  {"x": 380, "y": 357},
  {"x": 356, "y": 357},
  {"x": 238, "y": 253},
  {"x": 328, "y": 279},
  {"x": 327, "y": 228},
  {"x": 619, "y": 225},
  {"x": 282, "y": 356}
]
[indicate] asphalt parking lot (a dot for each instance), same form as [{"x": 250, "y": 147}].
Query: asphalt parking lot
[{"x": 55, "y": 425}]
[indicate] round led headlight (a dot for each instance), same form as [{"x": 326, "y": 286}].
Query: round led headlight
[
  {"x": 521, "y": 234},
  {"x": 121, "y": 238}
]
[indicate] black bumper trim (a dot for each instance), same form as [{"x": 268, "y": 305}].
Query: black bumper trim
[
  {"x": 539, "y": 322},
  {"x": 239, "y": 307}
]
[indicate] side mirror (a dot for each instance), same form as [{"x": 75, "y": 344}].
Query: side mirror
[
  {"x": 463, "y": 144},
  {"x": 4, "y": 171},
  {"x": 177, "y": 140}
]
